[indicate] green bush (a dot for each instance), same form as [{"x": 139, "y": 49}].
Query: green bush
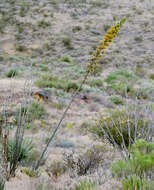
[
  {"x": 48, "y": 81},
  {"x": 85, "y": 184},
  {"x": 21, "y": 48},
  {"x": 152, "y": 76},
  {"x": 95, "y": 83},
  {"x": 140, "y": 163},
  {"x": 35, "y": 111},
  {"x": 43, "y": 24},
  {"x": 2, "y": 183},
  {"x": 119, "y": 81},
  {"x": 30, "y": 172},
  {"x": 117, "y": 100},
  {"x": 24, "y": 152},
  {"x": 145, "y": 91},
  {"x": 71, "y": 86},
  {"x": 12, "y": 73},
  {"x": 66, "y": 59},
  {"x": 120, "y": 128},
  {"x": 136, "y": 183},
  {"x": 122, "y": 75},
  {"x": 67, "y": 42}
]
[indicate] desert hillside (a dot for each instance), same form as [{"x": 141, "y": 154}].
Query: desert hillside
[{"x": 46, "y": 47}]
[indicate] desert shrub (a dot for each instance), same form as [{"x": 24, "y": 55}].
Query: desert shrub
[
  {"x": 138, "y": 39},
  {"x": 24, "y": 151},
  {"x": 21, "y": 48},
  {"x": 122, "y": 88},
  {"x": 48, "y": 81},
  {"x": 66, "y": 59},
  {"x": 1, "y": 58},
  {"x": 76, "y": 28},
  {"x": 35, "y": 111},
  {"x": 71, "y": 86},
  {"x": 42, "y": 187},
  {"x": 2, "y": 25},
  {"x": 67, "y": 42},
  {"x": 117, "y": 100},
  {"x": 123, "y": 127},
  {"x": 18, "y": 152},
  {"x": 43, "y": 67},
  {"x": 12, "y": 73},
  {"x": 85, "y": 162},
  {"x": 85, "y": 184},
  {"x": 95, "y": 83},
  {"x": 2, "y": 183},
  {"x": 57, "y": 168},
  {"x": 120, "y": 74},
  {"x": 43, "y": 24},
  {"x": 30, "y": 172},
  {"x": 137, "y": 183},
  {"x": 145, "y": 91},
  {"x": 59, "y": 105},
  {"x": 120, "y": 82},
  {"x": 140, "y": 163},
  {"x": 152, "y": 76}
]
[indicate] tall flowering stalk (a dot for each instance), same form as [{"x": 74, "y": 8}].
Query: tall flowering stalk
[{"x": 103, "y": 44}]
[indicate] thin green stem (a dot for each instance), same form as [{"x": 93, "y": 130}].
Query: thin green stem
[{"x": 60, "y": 121}]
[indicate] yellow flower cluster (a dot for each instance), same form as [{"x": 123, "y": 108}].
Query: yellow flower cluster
[{"x": 103, "y": 44}]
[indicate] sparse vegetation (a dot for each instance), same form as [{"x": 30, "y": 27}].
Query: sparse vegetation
[
  {"x": 86, "y": 161},
  {"x": 53, "y": 69}
]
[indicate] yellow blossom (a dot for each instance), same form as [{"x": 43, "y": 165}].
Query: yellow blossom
[{"x": 103, "y": 44}]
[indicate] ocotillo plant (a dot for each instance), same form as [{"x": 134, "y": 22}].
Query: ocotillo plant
[{"x": 100, "y": 50}]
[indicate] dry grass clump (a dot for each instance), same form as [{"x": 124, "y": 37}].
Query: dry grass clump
[{"x": 57, "y": 168}]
